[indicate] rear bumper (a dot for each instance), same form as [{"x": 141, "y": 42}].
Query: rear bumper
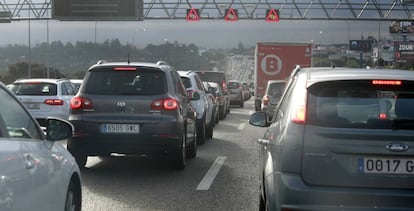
[
  {"x": 152, "y": 139},
  {"x": 289, "y": 191}
]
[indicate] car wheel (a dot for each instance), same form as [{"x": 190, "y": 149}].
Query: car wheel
[
  {"x": 192, "y": 148},
  {"x": 179, "y": 154},
  {"x": 222, "y": 113},
  {"x": 73, "y": 198},
  {"x": 210, "y": 129},
  {"x": 80, "y": 157},
  {"x": 201, "y": 132}
]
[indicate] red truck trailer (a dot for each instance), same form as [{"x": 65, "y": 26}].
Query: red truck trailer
[{"x": 275, "y": 61}]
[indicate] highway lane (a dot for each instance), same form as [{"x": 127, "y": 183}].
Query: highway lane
[{"x": 223, "y": 176}]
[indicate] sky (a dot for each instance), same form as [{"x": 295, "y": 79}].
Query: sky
[{"x": 217, "y": 34}]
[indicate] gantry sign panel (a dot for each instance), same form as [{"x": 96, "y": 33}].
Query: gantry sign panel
[
  {"x": 97, "y": 9},
  {"x": 378, "y": 10}
]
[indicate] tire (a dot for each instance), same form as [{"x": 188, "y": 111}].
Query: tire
[
  {"x": 80, "y": 157},
  {"x": 178, "y": 154},
  {"x": 73, "y": 198},
  {"x": 201, "y": 132},
  {"x": 192, "y": 148},
  {"x": 210, "y": 129},
  {"x": 222, "y": 113},
  {"x": 262, "y": 203}
]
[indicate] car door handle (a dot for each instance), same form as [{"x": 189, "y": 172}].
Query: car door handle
[{"x": 29, "y": 161}]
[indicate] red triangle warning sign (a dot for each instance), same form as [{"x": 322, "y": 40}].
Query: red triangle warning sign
[
  {"x": 272, "y": 15},
  {"x": 192, "y": 15},
  {"x": 231, "y": 15}
]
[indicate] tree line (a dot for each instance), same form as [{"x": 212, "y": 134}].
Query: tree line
[{"x": 71, "y": 60}]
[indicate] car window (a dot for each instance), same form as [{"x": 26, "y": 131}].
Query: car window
[
  {"x": 109, "y": 82},
  {"x": 68, "y": 89},
  {"x": 186, "y": 82},
  {"x": 34, "y": 88},
  {"x": 199, "y": 83},
  {"x": 359, "y": 104},
  {"x": 276, "y": 89},
  {"x": 16, "y": 119},
  {"x": 233, "y": 85}
]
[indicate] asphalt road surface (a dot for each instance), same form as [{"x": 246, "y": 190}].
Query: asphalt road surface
[{"x": 223, "y": 176}]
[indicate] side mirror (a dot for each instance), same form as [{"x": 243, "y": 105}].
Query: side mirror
[
  {"x": 259, "y": 119},
  {"x": 57, "y": 129},
  {"x": 193, "y": 95}
]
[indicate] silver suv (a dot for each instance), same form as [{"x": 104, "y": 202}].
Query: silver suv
[
  {"x": 45, "y": 97},
  {"x": 133, "y": 109},
  {"x": 341, "y": 139},
  {"x": 202, "y": 103}
]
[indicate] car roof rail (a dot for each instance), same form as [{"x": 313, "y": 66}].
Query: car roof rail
[
  {"x": 162, "y": 63},
  {"x": 101, "y": 62}
]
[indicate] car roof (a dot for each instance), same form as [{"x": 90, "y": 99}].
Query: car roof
[
  {"x": 185, "y": 72},
  {"x": 47, "y": 80},
  {"x": 315, "y": 75},
  {"x": 159, "y": 64}
]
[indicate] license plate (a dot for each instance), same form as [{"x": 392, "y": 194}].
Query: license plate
[
  {"x": 381, "y": 165},
  {"x": 120, "y": 128},
  {"x": 32, "y": 105}
]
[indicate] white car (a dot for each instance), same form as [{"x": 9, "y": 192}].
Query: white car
[
  {"x": 45, "y": 97},
  {"x": 201, "y": 102},
  {"x": 36, "y": 172}
]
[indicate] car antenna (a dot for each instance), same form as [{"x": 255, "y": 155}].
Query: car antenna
[{"x": 128, "y": 53}]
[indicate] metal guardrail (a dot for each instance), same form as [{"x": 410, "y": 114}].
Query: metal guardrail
[{"x": 355, "y": 10}]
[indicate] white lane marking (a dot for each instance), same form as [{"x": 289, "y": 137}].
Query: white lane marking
[
  {"x": 211, "y": 174},
  {"x": 241, "y": 126},
  {"x": 251, "y": 112}
]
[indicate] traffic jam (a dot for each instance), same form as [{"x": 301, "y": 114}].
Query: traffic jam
[{"x": 119, "y": 122}]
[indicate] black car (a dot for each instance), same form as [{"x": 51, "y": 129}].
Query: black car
[{"x": 133, "y": 109}]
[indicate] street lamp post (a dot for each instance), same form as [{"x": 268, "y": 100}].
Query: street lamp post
[{"x": 30, "y": 48}]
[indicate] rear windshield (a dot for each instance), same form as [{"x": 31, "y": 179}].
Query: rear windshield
[
  {"x": 34, "y": 88},
  {"x": 233, "y": 85},
  {"x": 361, "y": 104},
  {"x": 106, "y": 81},
  {"x": 276, "y": 89}
]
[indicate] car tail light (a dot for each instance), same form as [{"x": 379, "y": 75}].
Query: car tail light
[
  {"x": 53, "y": 102},
  {"x": 298, "y": 114},
  {"x": 166, "y": 104},
  {"x": 224, "y": 84},
  {"x": 383, "y": 116},
  {"x": 80, "y": 103},
  {"x": 265, "y": 100}
]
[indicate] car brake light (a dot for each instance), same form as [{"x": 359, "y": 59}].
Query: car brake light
[
  {"x": 80, "y": 103},
  {"x": 387, "y": 82},
  {"x": 298, "y": 106},
  {"x": 266, "y": 100},
  {"x": 53, "y": 102},
  {"x": 125, "y": 68},
  {"x": 383, "y": 116},
  {"x": 167, "y": 104},
  {"x": 170, "y": 104},
  {"x": 299, "y": 115}
]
